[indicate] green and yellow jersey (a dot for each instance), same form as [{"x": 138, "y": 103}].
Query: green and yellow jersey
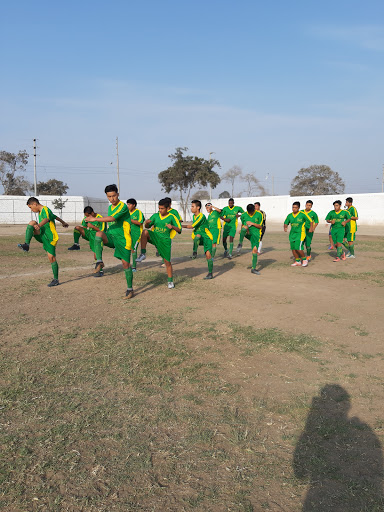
[
  {"x": 100, "y": 225},
  {"x": 135, "y": 229},
  {"x": 121, "y": 226},
  {"x": 200, "y": 226},
  {"x": 256, "y": 218},
  {"x": 312, "y": 215},
  {"x": 351, "y": 226},
  {"x": 231, "y": 213},
  {"x": 214, "y": 221},
  {"x": 176, "y": 214},
  {"x": 338, "y": 217},
  {"x": 159, "y": 225},
  {"x": 49, "y": 229},
  {"x": 299, "y": 222}
]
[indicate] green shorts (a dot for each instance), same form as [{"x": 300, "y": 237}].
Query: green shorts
[
  {"x": 308, "y": 239},
  {"x": 118, "y": 243},
  {"x": 297, "y": 244},
  {"x": 351, "y": 237},
  {"x": 47, "y": 245},
  {"x": 206, "y": 241},
  {"x": 135, "y": 244},
  {"x": 162, "y": 244},
  {"x": 216, "y": 234},
  {"x": 91, "y": 239},
  {"x": 229, "y": 230},
  {"x": 337, "y": 236},
  {"x": 254, "y": 239}
]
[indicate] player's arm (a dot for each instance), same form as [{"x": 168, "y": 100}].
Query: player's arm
[
  {"x": 148, "y": 223},
  {"x": 312, "y": 227},
  {"x": 329, "y": 219},
  {"x": 174, "y": 224},
  {"x": 136, "y": 222},
  {"x": 286, "y": 224},
  {"x": 355, "y": 216},
  {"x": 249, "y": 223},
  {"x": 217, "y": 209},
  {"x": 345, "y": 222},
  {"x": 63, "y": 223}
]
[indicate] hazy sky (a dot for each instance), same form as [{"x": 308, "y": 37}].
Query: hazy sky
[{"x": 269, "y": 86}]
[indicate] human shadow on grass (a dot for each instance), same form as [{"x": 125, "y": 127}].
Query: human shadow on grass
[{"x": 340, "y": 456}]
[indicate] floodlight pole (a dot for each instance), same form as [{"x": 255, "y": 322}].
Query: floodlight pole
[{"x": 34, "y": 166}]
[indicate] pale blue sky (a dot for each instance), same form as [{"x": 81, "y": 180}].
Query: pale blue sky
[{"x": 269, "y": 86}]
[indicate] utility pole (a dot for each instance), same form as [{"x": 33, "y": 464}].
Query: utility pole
[
  {"x": 117, "y": 163},
  {"x": 34, "y": 166}
]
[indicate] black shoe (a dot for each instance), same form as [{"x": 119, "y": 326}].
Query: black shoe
[
  {"x": 74, "y": 247},
  {"x": 99, "y": 267},
  {"x": 209, "y": 276},
  {"x": 129, "y": 294},
  {"x": 194, "y": 255},
  {"x": 254, "y": 271},
  {"x": 98, "y": 274},
  {"x": 54, "y": 282},
  {"x": 25, "y": 247},
  {"x": 225, "y": 254}
]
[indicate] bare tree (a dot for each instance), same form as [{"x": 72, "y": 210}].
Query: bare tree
[
  {"x": 10, "y": 165},
  {"x": 231, "y": 176},
  {"x": 253, "y": 185}
]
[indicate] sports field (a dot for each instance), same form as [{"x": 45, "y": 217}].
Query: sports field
[{"x": 244, "y": 393}]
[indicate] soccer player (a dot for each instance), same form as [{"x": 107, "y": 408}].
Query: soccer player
[
  {"x": 229, "y": 214},
  {"x": 263, "y": 225},
  {"x": 214, "y": 226},
  {"x": 350, "y": 228},
  {"x": 202, "y": 233},
  {"x": 165, "y": 225},
  {"x": 338, "y": 219},
  {"x": 137, "y": 219},
  {"x": 174, "y": 212},
  {"x": 298, "y": 221},
  {"x": 87, "y": 230},
  {"x": 117, "y": 236},
  {"x": 252, "y": 222},
  {"x": 309, "y": 235},
  {"x": 45, "y": 233}
]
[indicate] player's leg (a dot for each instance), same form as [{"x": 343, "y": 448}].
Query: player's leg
[
  {"x": 196, "y": 243},
  {"x": 168, "y": 266},
  {"x": 351, "y": 245},
  {"x": 30, "y": 232},
  {"x": 100, "y": 239},
  {"x": 225, "y": 244},
  {"x": 208, "y": 254},
  {"x": 254, "y": 260},
  {"x": 231, "y": 238},
  {"x": 77, "y": 233},
  {"x": 128, "y": 274},
  {"x": 261, "y": 240},
  {"x": 308, "y": 244},
  {"x": 331, "y": 245},
  {"x": 135, "y": 245},
  {"x": 145, "y": 236},
  {"x": 243, "y": 232}
]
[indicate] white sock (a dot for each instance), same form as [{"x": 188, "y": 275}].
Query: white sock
[{"x": 260, "y": 246}]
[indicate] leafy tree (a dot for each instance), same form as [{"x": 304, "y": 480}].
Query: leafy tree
[
  {"x": 224, "y": 195},
  {"x": 253, "y": 185},
  {"x": 201, "y": 195},
  {"x": 186, "y": 173},
  {"x": 10, "y": 165},
  {"x": 231, "y": 176},
  {"x": 52, "y": 188},
  {"x": 59, "y": 204},
  {"x": 317, "y": 180}
]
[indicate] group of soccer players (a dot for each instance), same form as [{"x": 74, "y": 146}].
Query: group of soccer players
[{"x": 124, "y": 229}]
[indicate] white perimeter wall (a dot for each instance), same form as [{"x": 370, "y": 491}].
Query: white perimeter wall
[{"x": 370, "y": 207}]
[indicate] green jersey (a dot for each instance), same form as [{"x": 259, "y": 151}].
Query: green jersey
[
  {"x": 312, "y": 215},
  {"x": 298, "y": 221},
  {"x": 256, "y": 218},
  {"x": 49, "y": 229},
  {"x": 338, "y": 217},
  {"x": 100, "y": 225},
  {"x": 135, "y": 229},
  {"x": 200, "y": 226},
  {"x": 176, "y": 214},
  {"x": 214, "y": 221},
  {"x": 352, "y": 225},
  {"x": 159, "y": 225},
  {"x": 231, "y": 213},
  {"x": 120, "y": 227}
]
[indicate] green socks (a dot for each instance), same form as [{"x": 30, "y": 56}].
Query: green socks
[
  {"x": 230, "y": 248},
  {"x": 129, "y": 277},
  {"x": 210, "y": 265},
  {"x": 309, "y": 251},
  {"x": 242, "y": 235},
  {"x": 213, "y": 251},
  {"x": 225, "y": 245},
  {"x": 196, "y": 242},
  {"x": 352, "y": 249},
  {"x": 99, "y": 248},
  {"x": 55, "y": 270},
  {"x": 76, "y": 236},
  {"x": 143, "y": 251},
  {"x": 170, "y": 279},
  {"x": 339, "y": 251},
  {"x": 254, "y": 260},
  {"x": 29, "y": 234},
  {"x": 134, "y": 256}
]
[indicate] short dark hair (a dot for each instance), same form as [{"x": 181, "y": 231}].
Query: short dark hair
[
  {"x": 250, "y": 208},
  {"x": 132, "y": 201},
  {"x": 111, "y": 188},
  {"x": 167, "y": 202},
  {"x": 208, "y": 204},
  {"x": 337, "y": 202},
  {"x": 163, "y": 202},
  {"x": 196, "y": 201},
  {"x": 231, "y": 199},
  {"x": 296, "y": 203},
  {"x": 168, "y": 199},
  {"x": 309, "y": 201},
  {"x": 33, "y": 200},
  {"x": 257, "y": 202},
  {"x": 349, "y": 199},
  {"x": 88, "y": 209}
]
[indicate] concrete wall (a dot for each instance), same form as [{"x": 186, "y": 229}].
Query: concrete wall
[{"x": 370, "y": 207}]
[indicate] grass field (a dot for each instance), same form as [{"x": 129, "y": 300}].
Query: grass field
[{"x": 244, "y": 393}]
